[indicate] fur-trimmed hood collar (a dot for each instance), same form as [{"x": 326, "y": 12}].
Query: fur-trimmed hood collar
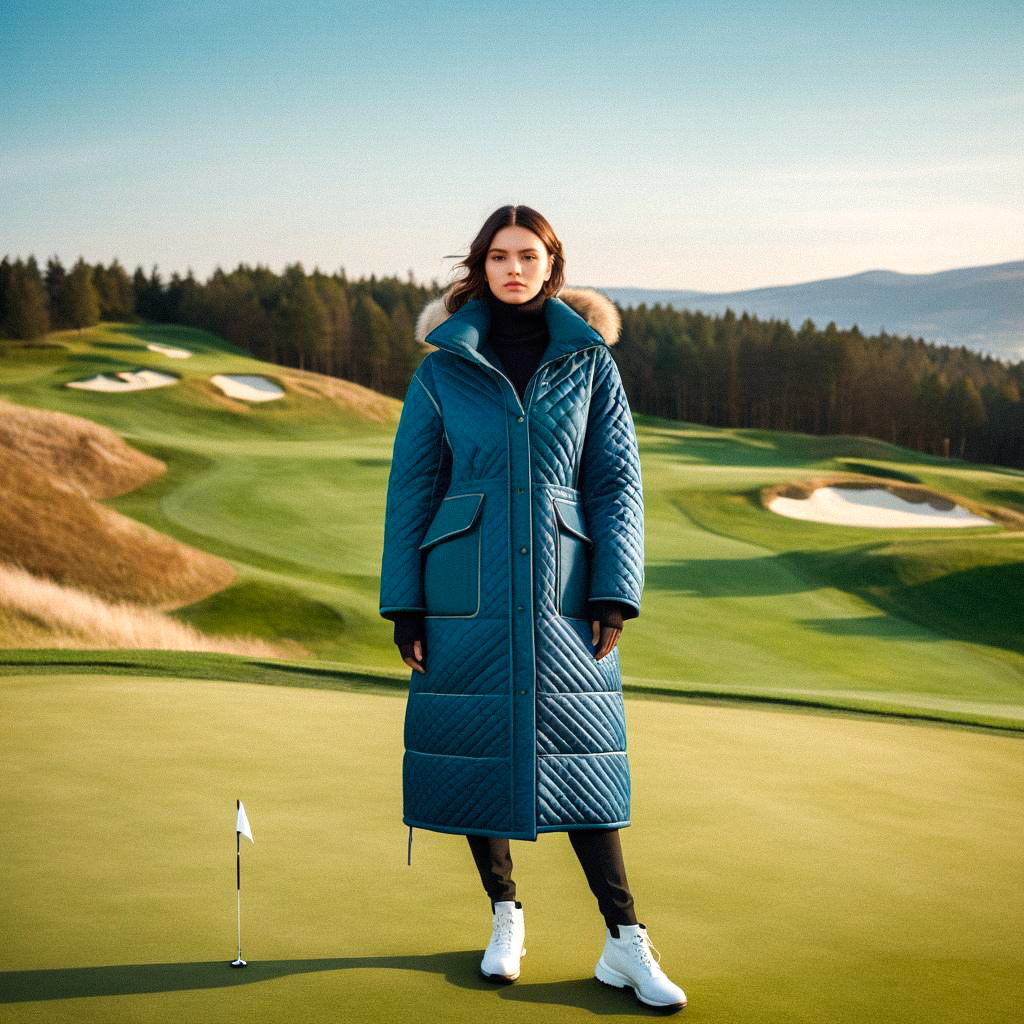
[{"x": 596, "y": 309}]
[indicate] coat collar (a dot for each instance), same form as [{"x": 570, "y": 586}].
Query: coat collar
[{"x": 577, "y": 318}]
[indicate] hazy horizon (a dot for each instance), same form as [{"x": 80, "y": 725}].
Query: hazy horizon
[{"x": 671, "y": 148}]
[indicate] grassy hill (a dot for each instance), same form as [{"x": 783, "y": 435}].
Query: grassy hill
[{"x": 740, "y": 603}]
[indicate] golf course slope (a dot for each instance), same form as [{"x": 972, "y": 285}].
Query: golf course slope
[
  {"x": 790, "y": 867},
  {"x": 740, "y": 603}
]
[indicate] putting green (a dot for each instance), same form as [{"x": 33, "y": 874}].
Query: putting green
[{"x": 790, "y": 867}]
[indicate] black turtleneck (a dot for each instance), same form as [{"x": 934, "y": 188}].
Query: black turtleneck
[{"x": 517, "y": 336}]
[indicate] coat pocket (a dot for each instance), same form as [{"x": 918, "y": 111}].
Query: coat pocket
[
  {"x": 451, "y": 554},
  {"x": 572, "y": 555}
]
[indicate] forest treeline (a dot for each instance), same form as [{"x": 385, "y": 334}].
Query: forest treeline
[{"x": 721, "y": 370}]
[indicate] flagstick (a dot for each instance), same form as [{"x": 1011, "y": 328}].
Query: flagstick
[{"x": 238, "y": 889}]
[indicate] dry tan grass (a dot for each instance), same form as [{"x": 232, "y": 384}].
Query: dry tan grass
[
  {"x": 368, "y": 404},
  {"x": 357, "y": 402},
  {"x": 75, "y": 573},
  {"x": 52, "y": 468},
  {"x": 53, "y": 530},
  {"x": 91, "y": 458},
  {"x": 37, "y": 612}
]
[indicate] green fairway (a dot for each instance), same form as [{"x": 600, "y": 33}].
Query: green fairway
[
  {"x": 790, "y": 867},
  {"x": 739, "y": 601}
]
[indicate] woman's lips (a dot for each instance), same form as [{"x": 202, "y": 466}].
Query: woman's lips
[{"x": 515, "y": 286}]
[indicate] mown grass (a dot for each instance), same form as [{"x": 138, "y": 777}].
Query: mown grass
[
  {"x": 738, "y": 599},
  {"x": 802, "y": 868}
]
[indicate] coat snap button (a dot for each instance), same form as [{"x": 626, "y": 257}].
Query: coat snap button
[
  {"x": 520, "y": 609},
  {"x": 519, "y": 419},
  {"x": 522, "y": 551},
  {"x": 523, "y": 693}
]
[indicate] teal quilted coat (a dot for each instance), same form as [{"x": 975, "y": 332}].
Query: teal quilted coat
[{"x": 503, "y": 519}]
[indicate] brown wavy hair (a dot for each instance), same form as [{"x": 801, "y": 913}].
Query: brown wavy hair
[{"x": 472, "y": 284}]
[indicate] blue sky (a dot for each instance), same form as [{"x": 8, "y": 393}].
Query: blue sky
[{"x": 711, "y": 146}]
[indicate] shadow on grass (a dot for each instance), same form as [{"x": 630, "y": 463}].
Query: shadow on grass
[
  {"x": 122, "y": 346},
  {"x": 103, "y": 363},
  {"x": 197, "y": 341},
  {"x": 459, "y": 968}
]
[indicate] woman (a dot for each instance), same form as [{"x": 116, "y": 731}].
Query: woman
[{"x": 513, "y": 553}]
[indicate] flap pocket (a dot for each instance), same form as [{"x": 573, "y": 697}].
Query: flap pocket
[
  {"x": 454, "y": 516},
  {"x": 570, "y": 517}
]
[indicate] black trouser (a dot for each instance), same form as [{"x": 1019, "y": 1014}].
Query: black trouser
[{"x": 599, "y": 852}]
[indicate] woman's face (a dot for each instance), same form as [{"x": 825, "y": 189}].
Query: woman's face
[{"x": 517, "y": 264}]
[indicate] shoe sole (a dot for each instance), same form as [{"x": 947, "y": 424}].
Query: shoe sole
[
  {"x": 609, "y": 976},
  {"x": 503, "y": 977}
]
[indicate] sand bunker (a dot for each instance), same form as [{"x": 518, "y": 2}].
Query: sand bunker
[
  {"x": 125, "y": 380},
  {"x": 167, "y": 350},
  {"x": 875, "y": 506},
  {"x": 248, "y": 387}
]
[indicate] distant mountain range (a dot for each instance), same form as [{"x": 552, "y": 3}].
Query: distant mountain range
[{"x": 981, "y": 308}]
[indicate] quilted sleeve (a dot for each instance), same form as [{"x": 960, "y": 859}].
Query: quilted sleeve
[
  {"x": 416, "y": 460},
  {"x": 611, "y": 489}
]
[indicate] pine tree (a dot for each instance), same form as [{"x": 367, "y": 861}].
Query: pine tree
[
  {"x": 117, "y": 297},
  {"x": 300, "y": 321},
  {"x": 5, "y": 286},
  {"x": 27, "y": 316},
  {"x": 138, "y": 287},
  {"x": 149, "y": 294},
  {"x": 191, "y": 300},
  {"x": 338, "y": 351},
  {"x": 371, "y": 339},
  {"x": 83, "y": 299},
  {"x": 57, "y": 294}
]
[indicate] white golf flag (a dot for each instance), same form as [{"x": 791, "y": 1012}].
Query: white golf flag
[{"x": 242, "y": 824}]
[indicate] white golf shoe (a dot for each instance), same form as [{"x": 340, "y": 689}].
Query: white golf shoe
[
  {"x": 627, "y": 960},
  {"x": 508, "y": 935}
]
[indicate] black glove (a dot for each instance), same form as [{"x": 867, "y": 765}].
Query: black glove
[
  {"x": 611, "y": 613},
  {"x": 408, "y": 629}
]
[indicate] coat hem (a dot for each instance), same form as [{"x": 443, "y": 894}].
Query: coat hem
[
  {"x": 575, "y": 827},
  {"x": 511, "y": 834},
  {"x": 453, "y": 830}
]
